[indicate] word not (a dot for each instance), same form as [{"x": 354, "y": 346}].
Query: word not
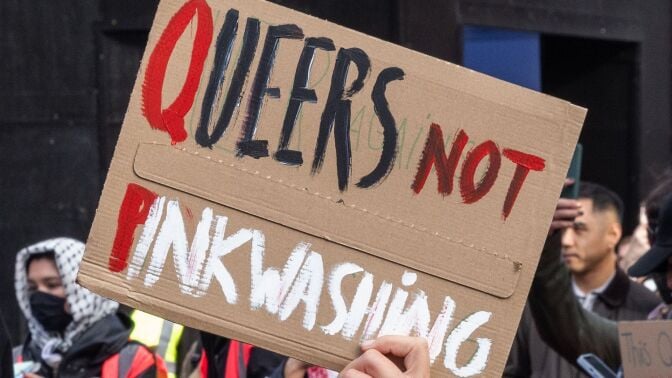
[
  {"x": 280, "y": 291},
  {"x": 434, "y": 154}
]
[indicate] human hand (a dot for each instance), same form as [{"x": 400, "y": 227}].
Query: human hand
[
  {"x": 565, "y": 212},
  {"x": 411, "y": 354}
]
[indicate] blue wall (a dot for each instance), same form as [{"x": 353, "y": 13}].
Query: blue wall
[{"x": 509, "y": 55}]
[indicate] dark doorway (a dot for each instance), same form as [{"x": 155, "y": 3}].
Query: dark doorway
[{"x": 601, "y": 76}]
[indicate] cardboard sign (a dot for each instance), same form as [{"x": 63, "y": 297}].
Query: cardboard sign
[
  {"x": 302, "y": 187},
  {"x": 646, "y": 348}
]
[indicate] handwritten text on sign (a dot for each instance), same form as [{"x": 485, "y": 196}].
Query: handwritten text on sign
[
  {"x": 335, "y": 116},
  {"x": 280, "y": 291},
  {"x": 259, "y": 105},
  {"x": 646, "y": 348}
]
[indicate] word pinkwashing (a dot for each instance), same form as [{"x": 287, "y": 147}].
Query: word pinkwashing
[{"x": 279, "y": 291}]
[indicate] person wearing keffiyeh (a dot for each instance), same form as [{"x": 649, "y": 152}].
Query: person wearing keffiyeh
[{"x": 72, "y": 331}]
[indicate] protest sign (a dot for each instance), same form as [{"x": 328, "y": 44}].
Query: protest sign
[
  {"x": 302, "y": 187},
  {"x": 646, "y": 348}
]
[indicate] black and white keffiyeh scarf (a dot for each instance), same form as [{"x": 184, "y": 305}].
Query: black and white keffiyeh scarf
[{"x": 86, "y": 307}]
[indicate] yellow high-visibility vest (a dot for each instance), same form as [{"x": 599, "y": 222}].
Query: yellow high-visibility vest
[{"x": 160, "y": 335}]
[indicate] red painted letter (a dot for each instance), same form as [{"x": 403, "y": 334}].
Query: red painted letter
[
  {"x": 132, "y": 213},
  {"x": 470, "y": 192},
  {"x": 524, "y": 163},
  {"x": 171, "y": 119},
  {"x": 435, "y": 154}
]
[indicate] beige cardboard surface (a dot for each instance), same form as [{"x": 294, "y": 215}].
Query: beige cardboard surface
[
  {"x": 344, "y": 229},
  {"x": 646, "y": 348}
]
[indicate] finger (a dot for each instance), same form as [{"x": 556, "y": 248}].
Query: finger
[
  {"x": 374, "y": 363},
  {"x": 413, "y": 350},
  {"x": 567, "y": 214},
  {"x": 352, "y": 373},
  {"x": 569, "y": 182},
  {"x": 568, "y": 203},
  {"x": 557, "y": 225}
]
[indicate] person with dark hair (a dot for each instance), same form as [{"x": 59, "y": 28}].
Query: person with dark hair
[
  {"x": 73, "y": 332},
  {"x": 588, "y": 250},
  {"x": 561, "y": 320}
]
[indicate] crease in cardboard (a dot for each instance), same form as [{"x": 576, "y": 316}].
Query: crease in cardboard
[
  {"x": 498, "y": 255},
  {"x": 502, "y": 288}
]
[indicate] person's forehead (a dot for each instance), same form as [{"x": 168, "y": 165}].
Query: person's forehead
[
  {"x": 587, "y": 203},
  {"x": 42, "y": 267},
  {"x": 590, "y": 213},
  {"x": 587, "y": 209}
]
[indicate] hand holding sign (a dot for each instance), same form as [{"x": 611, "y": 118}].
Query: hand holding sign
[{"x": 412, "y": 353}]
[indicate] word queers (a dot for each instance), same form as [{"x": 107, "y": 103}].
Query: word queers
[
  {"x": 367, "y": 314},
  {"x": 335, "y": 116}
]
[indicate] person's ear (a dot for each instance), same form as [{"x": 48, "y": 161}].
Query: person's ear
[{"x": 614, "y": 233}]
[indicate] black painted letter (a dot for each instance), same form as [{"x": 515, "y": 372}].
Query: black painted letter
[
  {"x": 259, "y": 148},
  {"x": 222, "y": 57},
  {"x": 382, "y": 109},
  {"x": 300, "y": 94},
  {"x": 337, "y": 110}
]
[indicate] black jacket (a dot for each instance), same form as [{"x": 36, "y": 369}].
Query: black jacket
[
  {"x": 530, "y": 356},
  {"x": 89, "y": 351},
  {"x": 5, "y": 351}
]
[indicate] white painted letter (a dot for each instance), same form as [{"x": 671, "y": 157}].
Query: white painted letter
[
  {"x": 348, "y": 321},
  {"x": 377, "y": 311},
  {"x": 403, "y": 322},
  {"x": 458, "y": 336},
  {"x": 173, "y": 234},
  {"x": 440, "y": 328},
  {"x": 148, "y": 232},
  {"x": 221, "y": 247},
  {"x": 268, "y": 286},
  {"x": 307, "y": 289},
  {"x": 414, "y": 319}
]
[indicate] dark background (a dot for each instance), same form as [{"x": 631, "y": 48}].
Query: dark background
[{"x": 67, "y": 68}]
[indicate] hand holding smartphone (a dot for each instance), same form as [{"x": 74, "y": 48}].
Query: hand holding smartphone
[{"x": 574, "y": 173}]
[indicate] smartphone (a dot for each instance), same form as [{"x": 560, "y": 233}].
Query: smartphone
[
  {"x": 594, "y": 366},
  {"x": 574, "y": 173}
]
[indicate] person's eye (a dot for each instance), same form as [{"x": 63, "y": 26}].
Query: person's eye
[{"x": 54, "y": 286}]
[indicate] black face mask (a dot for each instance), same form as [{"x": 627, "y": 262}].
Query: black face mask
[{"x": 49, "y": 310}]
